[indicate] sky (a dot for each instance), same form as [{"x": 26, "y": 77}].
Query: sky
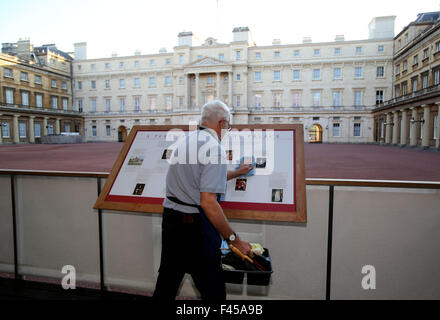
[{"x": 124, "y": 26}]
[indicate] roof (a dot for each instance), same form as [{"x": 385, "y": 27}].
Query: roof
[
  {"x": 52, "y": 48},
  {"x": 428, "y": 17}
]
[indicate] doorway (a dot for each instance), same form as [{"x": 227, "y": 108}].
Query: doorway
[{"x": 315, "y": 134}]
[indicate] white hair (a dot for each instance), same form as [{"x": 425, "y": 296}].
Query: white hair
[{"x": 215, "y": 110}]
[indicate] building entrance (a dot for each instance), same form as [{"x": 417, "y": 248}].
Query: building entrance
[
  {"x": 122, "y": 134},
  {"x": 315, "y": 134}
]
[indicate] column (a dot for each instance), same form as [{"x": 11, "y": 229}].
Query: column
[
  {"x": 219, "y": 96},
  {"x": 31, "y": 129},
  {"x": 197, "y": 91},
  {"x": 413, "y": 138},
  {"x": 15, "y": 129},
  {"x": 230, "y": 75},
  {"x": 1, "y": 129},
  {"x": 437, "y": 144},
  {"x": 395, "y": 128},
  {"x": 388, "y": 129},
  {"x": 426, "y": 126},
  {"x": 45, "y": 126},
  {"x": 57, "y": 126},
  {"x": 187, "y": 89},
  {"x": 404, "y": 127}
]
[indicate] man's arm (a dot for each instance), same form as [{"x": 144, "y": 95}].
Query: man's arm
[
  {"x": 215, "y": 214},
  {"x": 242, "y": 170}
]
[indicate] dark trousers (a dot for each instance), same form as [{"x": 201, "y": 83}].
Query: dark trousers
[{"x": 190, "y": 244}]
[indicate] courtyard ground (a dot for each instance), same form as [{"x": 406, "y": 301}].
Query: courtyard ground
[{"x": 337, "y": 161}]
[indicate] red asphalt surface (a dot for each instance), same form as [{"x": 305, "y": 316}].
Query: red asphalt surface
[{"x": 333, "y": 161}]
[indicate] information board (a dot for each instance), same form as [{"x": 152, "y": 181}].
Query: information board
[{"x": 275, "y": 190}]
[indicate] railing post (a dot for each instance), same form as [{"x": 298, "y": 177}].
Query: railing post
[
  {"x": 14, "y": 227},
  {"x": 101, "y": 247},
  {"x": 329, "y": 243}
]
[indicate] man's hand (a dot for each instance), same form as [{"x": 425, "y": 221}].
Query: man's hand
[
  {"x": 240, "y": 171},
  {"x": 244, "y": 246}
]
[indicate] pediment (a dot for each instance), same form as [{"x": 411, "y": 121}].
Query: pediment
[{"x": 206, "y": 61}]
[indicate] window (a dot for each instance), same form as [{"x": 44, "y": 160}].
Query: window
[
  {"x": 276, "y": 54},
  {"x": 152, "y": 81},
  {"x": 50, "y": 129},
  {"x": 168, "y": 81},
  {"x": 94, "y": 131},
  {"x": 238, "y": 77},
  {"x": 24, "y": 76},
  {"x": 358, "y": 98},
  {"x": 336, "y": 98},
  {"x": 277, "y": 76},
  {"x": 25, "y": 98},
  {"x": 296, "y": 75},
  {"x": 379, "y": 96},
  {"x": 336, "y": 130},
  {"x": 5, "y": 130},
  {"x": 337, "y": 73},
  {"x": 380, "y": 72},
  {"x": 337, "y": 51},
  {"x": 296, "y": 53},
  {"x": 108, "y": 130},
  {"x": 277, "y": 99},
  {"x": 107, "y": 105},
  {"x": 424, "y": 81},
  {"x": 180, "y": 80},
  {"x": 357, "y": 130},
  {"x": 37, "y": 130},
  {"x": 414, "y": 85},
  {"x": 257, "y": 76},
  {"x": 358, "y": 72},
  {"x": 9, "y": 96},
  {"x": 122, "y": 104},
  {"x": 152, "y": 62},
  {"x": 316, "y": 74},
  {"x": 221, "y": 57},
  {"x": 22, "y": 129},
  {"x": 437, "y": 46},
  {"x": 93, "y": 84},
  {"x": 358, "y": 50},
  {"x": 257, "y": 55},
  {"x": 316, "y": 99},
  {"x": 168, "y": 102},
  {"x": 52, "y": 62},
  {"x": 107, "y": 66},
  {"x": 397, "y": 90},
  {"x": 380, "y": 48},
  {"x": 79, "y": 67},
  {"x": 181, "y": 59},
  {"x": 136, "y": 64},
  {"x": 121, "y": 65},
  {"x": 93, "y": 105},
  {"x": 152, "y": 102},
  {"x": 416, "y": 59},
  {"x": 79, "y": 85},
  {"x": 436, "y": 127},
  {"x": 92, "y": 66},
  {"x": 137, "y": 104},
  {"x": 296, "y": 99},
  {"x": 64, "y": 85},
  {"x": 168, "y": 61},
  {"x": 437, "y": 77},
  {"x": 54, "y": 83},
  {"x": 398, "y": 69},
  {"x": 8, "y": 73},
  {"x": 426, "y": 53},
  {"x": 181, "y": 100},
  {"x": 64, "y": 102},
  {"x": 257, "y": 100},
  {"x": 39, "y": 100},
  {"x": 80, "y": 105},
  {"x": 405, "y": 65},
  {"x": 238, "y": 101},
  {"x": 107, "y": 84},
  {"x": 38, "y": 79},
  {"x": 54, "y": 103},
  {"x": 404, "y": 88},
  {"x": 316, "y": 52},
  {"x": 137, "y": 82},
  {"x": 122, "y": 83},
  {"x": 237, "y": 55}
]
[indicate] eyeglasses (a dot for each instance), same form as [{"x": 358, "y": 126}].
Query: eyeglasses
[{"x": 228, "y": 125}]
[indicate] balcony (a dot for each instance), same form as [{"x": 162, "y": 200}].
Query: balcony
[
  {"x": 34, "y": 109},
  {"x": 351, "y": 223},
  {"x": 411, "y": 97}
]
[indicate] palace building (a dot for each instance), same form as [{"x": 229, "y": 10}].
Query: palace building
[
  {"x": 330, "y": 87},
  {"x": 35, "y": 93},
  {"x": 411, "y": 118}
]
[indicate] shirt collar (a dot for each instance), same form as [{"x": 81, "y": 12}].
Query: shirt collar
[{"x": 210, "y": 131}]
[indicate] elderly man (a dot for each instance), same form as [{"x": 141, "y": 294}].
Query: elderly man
[{"x": 193, "y": 221}]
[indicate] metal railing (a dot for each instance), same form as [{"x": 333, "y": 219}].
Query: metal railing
[{"x": 19, "y": 107}]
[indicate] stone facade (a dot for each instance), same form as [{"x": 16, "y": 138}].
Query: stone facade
[{"x": 330, "y": 87}]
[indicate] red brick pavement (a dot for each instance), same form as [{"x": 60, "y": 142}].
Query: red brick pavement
[{"x": 338, "y": 161}]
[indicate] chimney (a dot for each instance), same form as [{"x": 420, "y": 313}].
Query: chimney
[
  {"x": 276, "y": 41},
  {"x": 307, "y": 40},
  {"x": 162, "y": 50},
  {"x": 382, "y": 27},
  {"x": 80, "y": 49},
  {"x": 114, "y": 54},
  {"x": 241, "y": 34},
  {"x": 340, "y": 37},
  {"x": 137, "y": 52},
  {"x": 185, "y": 38},
  {"x": 24, "y": 49}
]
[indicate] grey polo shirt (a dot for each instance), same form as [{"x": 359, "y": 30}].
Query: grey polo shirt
[{"x": 198, "y": 165}]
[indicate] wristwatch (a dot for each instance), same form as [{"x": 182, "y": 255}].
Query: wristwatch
[{"x": 232, "y": 237}]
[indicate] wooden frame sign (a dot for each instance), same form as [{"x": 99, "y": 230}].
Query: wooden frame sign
[{"x": 273, "y": 191}]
